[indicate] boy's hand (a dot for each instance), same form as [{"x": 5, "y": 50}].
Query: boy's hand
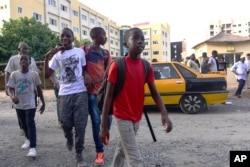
[
  {"x": 104, "y": 135},
  {"x": 42, "y": 108},
  {"x": 15, "y": 100},
  {"x": 166, "y": 122}
]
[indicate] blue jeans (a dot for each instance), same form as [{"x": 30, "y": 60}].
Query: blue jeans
[
  {"x": 28, "y": 124},
  {"x": 74, "y": 113},
  {"x": 95, "y": 116},
  {"x": 240, "y": 86}
]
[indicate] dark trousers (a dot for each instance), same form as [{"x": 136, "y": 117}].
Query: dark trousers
[
  {"x": 19, "y": 119},
  {"x": 56, "y": 91},
  {"x": 74, "y": 113},
  {"x": 28, "y": 123},
  {"x": 241, "y": 84}
]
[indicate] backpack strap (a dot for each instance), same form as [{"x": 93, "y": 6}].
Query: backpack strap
[
  {"x": 146, "y": 66},
  {"x": 121, "y": 70}
]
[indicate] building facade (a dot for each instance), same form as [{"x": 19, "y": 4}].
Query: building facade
[
  {"x": 59, "y": 14},
  {"x": 234, "y": 26},
  {"x": 157, "y": 40}
]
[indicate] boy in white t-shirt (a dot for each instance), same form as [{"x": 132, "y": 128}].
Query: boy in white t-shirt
[{"x": 73, "y": 96}]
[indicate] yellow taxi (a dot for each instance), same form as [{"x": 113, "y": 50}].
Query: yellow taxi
[{"x": 190, "y": 90}]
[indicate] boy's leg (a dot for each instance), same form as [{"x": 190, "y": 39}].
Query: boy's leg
[
  {"x": 65, "y": 104},
  {"x": 80, "y": 119},
  {"x": 22, "y": 119},
  {"x": 19, "y": 123},
  {"x": 119, "y": 157},
  {"x": 128, "y": 130},
  {"x": 30, "y": 121},
  {"x": 95, "y": 116}
]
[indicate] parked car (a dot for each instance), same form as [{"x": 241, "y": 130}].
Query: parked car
[{"x": 190, "y": 90}]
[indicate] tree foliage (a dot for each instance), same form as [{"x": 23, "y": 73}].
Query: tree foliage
[{"x": 37, "y": 35}]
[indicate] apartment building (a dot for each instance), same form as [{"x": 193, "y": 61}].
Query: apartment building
[
  {"x": 239, "y": 27},
  {"x": 157, "y": 39},
  {"x": 59, "y": 14}
]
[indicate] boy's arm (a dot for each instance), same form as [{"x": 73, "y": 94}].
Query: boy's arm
[
  {"x": 54, "y": 80},
  {"x": 11, "y": 92},
  {"x": 160, "y": 105},
  {"x": 40, "y": 94},
  {"x": 104, "y": 132},
  {"x": 7, "y": 77}
]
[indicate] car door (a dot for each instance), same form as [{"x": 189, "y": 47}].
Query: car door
[{"x": 170, "y": 84}]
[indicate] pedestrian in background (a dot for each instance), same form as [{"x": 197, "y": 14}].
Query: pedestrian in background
[
  {"x": 204, "y": 61},
  {"x": 240, "y": 69},
  {"x": 247, "y": 61},
  {"x": 212, "y": 62}
]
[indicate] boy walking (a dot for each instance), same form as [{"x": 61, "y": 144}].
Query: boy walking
[
  {"x": 73, "y": 97},
  {"x": 128, "y": 104},
  {"x": 22, "y": 86},
  {"x": 13, "y": 65},
  {"x": 97, "y": 60}
]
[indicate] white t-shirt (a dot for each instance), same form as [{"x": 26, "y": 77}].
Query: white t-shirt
[
  {"x": 70, "y": 63},
  {"x": 241, "y": 69},
  {"x": 14, "y": 64},
  {"x": 213, "y": 65},
  {"x": 24, "y": 84}
]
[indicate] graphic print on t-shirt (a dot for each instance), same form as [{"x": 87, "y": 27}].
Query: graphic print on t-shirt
[
  {"x": 70, "y": 67},
  {"x": 22, "y": 86}
]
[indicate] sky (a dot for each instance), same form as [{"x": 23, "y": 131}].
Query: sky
[{"x": 188, "y": 19}]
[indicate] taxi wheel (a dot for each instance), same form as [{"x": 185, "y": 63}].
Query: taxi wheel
[{"x": 192, "y": 103}]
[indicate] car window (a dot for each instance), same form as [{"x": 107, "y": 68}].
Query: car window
[
  {"x": 185, "y": 72},
  {"x": 164, "y": 71}
]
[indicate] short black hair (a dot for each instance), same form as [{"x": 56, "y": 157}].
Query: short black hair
[
  {"x": 68, "y": 29},
  {"x": 130, "y": 32},
  {"x": 96, "y": 31}
]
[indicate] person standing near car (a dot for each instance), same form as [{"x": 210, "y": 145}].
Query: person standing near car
[
  {"x": 240, "y": 69},
  {"x": 204, "y": 61},
  {"x": 212, "y": 62}
]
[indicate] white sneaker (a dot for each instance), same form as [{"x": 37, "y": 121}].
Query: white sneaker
[
  {"x": 26, "y": 144},
  {"x": 32, "y": 152}
]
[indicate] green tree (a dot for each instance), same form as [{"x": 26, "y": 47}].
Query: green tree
[
  {"x": 85, "y": 41},
  {"x": 37, "y": 35}
]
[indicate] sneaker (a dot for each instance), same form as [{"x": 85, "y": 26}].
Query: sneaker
[
  {"x": 70, "y": 144},
  {"x": 26, "y": 144},
  {"x": 99, "y": 159},
  {"x": 32, "y": 152},
  {"x": 80, "y": 162}
]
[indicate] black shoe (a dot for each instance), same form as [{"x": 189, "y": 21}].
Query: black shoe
[{"x": 80, "y": 162}]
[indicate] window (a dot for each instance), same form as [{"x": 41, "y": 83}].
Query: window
[
  {"x": 185, "y": 73},
  {"x": 145, "y": 33},
  {"x": 19, "y": 10},
  {"x": 64, "y": 25},
  {"x": 111, "y": 31},
  {"x": 84, "y": 17},
  {"x": 75, "y": 13},
  {"x": 146, "y": 43},
  {"x": 155, "y": 52},
  {"x": 145, "y": 53},
  {"x": 92, "y": 21},
  {"x": 84, "y": 32},
  {"x": 155, "y": 42},
  {"x": 37, "y": 16},
  {"x": 239, "y": 25},
  {"x": 111, "y": 41},
  {"x": 116, "y": 32},
  {"x": 75, "y": 29},
  {"x": 52, "y": 22},
  {"x": 52, "y": 3},
  {"x": 99, "y": 24},
  {"x": 64, "y": 8},
  {"x": 155, "y": 31},
  {"x": 165, "y": 71}
]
